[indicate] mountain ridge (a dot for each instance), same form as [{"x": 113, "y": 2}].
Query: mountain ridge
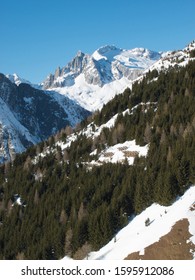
[{"x": 29, "y": 116}]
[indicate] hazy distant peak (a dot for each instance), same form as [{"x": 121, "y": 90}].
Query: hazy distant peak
[{"x": 14, "y": 78}]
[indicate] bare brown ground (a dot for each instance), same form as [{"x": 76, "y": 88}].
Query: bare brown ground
[{"x": 172, "y": 246}]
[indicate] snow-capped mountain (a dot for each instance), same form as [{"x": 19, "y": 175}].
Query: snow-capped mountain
[
  {"x": 92, "y": 80},
  {"x": 28, "y": 115},
  {"x": 14, "y": 78}
]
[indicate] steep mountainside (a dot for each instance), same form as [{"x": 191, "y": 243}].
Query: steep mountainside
[
  {"x": 72, "y": 194},
  {"x": 159, "y": 232},
  {"x": 92, "y": 80},
  {"x": 29, "y": 116}
]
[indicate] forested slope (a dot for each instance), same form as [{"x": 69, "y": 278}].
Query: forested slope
[{"x": 53, "y": 202}]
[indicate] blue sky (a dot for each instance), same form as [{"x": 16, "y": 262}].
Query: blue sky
[{"x": 36, "y": 36}]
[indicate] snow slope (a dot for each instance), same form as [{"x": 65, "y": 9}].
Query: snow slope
[
  {"x": 117, "y": 153},
  {"x": 29, "y": 115},
  {"x": 136, "y": 236},
  {"x": 92, "y": 97},
  {"x": 121, "y": 152}
]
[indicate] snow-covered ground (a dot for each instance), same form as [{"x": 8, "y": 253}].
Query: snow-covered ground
[
  {"x": 136, "y": 236},
  {"x": 121, "y": 152},
  {"x": 92, "y": 97},
  {"x": 117, "y": 153}
]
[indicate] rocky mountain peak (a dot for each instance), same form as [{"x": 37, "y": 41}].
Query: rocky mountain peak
[
  {"x": 14, "y": 78},
  {"x": 105, "y": 65}
]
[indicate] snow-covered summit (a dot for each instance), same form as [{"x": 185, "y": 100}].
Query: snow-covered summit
[
  {"x": 17, "y": 80},
  {"x": 107, "y": 52},
  {"x": 14, "y": 78},
  {"x": 92, "y": 80},
  {"x": 137, "y": 57},
  {"x": 107, "y": 49}
]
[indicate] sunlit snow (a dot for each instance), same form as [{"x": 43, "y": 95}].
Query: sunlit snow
[{"x": 136, "y": 236}]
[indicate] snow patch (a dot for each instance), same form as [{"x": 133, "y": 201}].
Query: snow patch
[{"x": 121, "y": 152}]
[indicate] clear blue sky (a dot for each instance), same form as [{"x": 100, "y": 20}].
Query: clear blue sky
[{"x": 36, "y": 36}]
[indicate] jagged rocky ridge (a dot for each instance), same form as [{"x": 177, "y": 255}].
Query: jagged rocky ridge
[
  {"x": 105, "y": 65},
  {"x": 93, "y": 80}
]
